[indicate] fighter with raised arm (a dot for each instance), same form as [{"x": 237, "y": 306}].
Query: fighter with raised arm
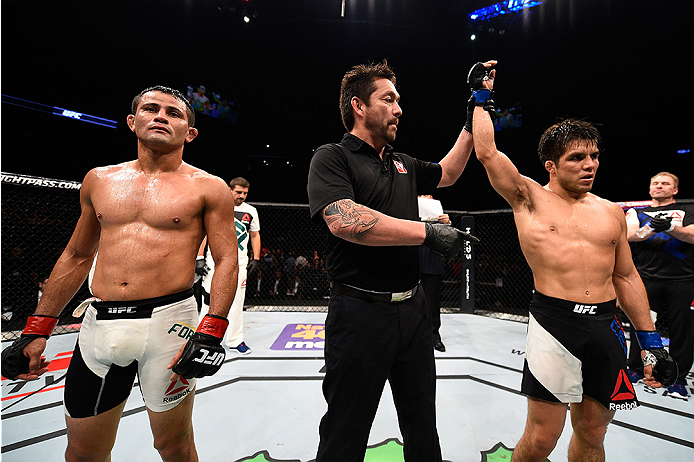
[
  {"x": 576, "y": 245},
  {"x": 146, "y": 218}
]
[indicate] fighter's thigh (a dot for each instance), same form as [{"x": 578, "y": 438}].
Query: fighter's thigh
[
  {"x": 92, "y": 436},
  {"x": 545, "y": 419},
  {"x": 174, "y": 426},
  {"x": 88, "y": 394},
  {"x": 170, "y": 329},
  {"x": 590, "y": 419}
]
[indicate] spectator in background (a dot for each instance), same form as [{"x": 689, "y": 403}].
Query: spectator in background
[
  {"x": 663, "y": 234},
  {"x": 19, "y": 283},
  {"x": 290, "y": 263},
  {"x": 199, "y": 101},
  {"x": 247, "y": 226},
  {"x": 430, "y": 210},
  {"x": 279, "y": 284}
]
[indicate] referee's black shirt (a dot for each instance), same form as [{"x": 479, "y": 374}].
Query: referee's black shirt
[{"x": 352, "y": 169}]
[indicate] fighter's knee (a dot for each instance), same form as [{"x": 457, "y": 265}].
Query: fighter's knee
[
  {"x": 175, "y": 444},
  {"x": 592, "y": 434},
  {"x": 76, "y": 454},
  {"x": 535, "y": 445}
]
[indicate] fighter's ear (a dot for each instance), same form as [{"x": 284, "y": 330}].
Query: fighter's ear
[
  {"x": 192, "y": 133},
  {"x": 130, "y": 120}
]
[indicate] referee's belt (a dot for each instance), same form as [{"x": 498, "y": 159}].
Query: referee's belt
[{"x": 371, "y": 295}]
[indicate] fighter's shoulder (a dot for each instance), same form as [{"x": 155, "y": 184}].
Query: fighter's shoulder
[
  {"x": 204, "y": 179},
  {"x": 106, "y": 173},
  {"x": 609, "y": 206}
]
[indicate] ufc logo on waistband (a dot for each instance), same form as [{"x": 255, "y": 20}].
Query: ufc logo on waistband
[
  {"x": 585, "y": 309},
  {"x": 122, "y": 309},
  {"x": 214, "y": 359}
]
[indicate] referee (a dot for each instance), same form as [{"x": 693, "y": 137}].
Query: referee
[{"x": 378, "y": 325}]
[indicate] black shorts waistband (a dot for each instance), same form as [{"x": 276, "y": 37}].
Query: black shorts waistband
[
  {"x": 373, "y": 296},
  {"x": 137, "y": 309},
  {"x": 592, "y": 309}
]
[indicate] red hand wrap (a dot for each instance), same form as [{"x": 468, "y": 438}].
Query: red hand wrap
[
  {"x": 213, "y": 325},
  {"x": 39, "y": 324}
]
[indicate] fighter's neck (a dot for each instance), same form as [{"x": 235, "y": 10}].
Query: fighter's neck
[{"x": 152, "y": 162}]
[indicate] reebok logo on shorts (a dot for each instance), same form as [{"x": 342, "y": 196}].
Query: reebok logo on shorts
[
  {"x": 623, "y": 391},
  {"x": 177, "y": 389}
]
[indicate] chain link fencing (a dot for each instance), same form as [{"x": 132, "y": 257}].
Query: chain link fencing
[{"x": 39, "y": 215}]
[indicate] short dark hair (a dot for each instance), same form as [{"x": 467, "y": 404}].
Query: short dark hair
[
  {"x": 239, "y": 181},
  {"x": 561, "y": 135},
  {"x": 359, "y": 82},
  {"x": 169, "y": 91}
]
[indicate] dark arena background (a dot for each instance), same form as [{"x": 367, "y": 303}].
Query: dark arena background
[{"x": 271, "y": 72}]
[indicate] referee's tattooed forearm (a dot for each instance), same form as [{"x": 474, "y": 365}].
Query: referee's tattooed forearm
[{"x": 345, "y": 214}]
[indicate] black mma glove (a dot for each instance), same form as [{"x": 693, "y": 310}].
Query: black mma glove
[
  {"x": 661, "y": 224},
  {"x": 446, "y": 240},
  {"x": 471, "y": 103},
  {"x": 664, "y": 367},
  {"x": 201, "y": 268},
  {"x": 479, "y": 73},
  {"x": 203, "y": 354},
  {"x": 14, "y": 362},
  {"x": 252, "y": 267}
]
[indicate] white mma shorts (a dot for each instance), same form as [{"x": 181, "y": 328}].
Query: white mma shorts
[{"x": 120, "y": 340}]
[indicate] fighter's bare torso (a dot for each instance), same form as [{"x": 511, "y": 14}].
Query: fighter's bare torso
[
  {"x": 151, "y": 226},
  {"x": 570, "y": 244}
]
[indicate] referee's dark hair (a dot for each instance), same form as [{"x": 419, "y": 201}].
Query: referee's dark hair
[{"x": 359, "y": 82}]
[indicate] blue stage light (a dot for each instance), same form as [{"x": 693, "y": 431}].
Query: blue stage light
[
  {"x": 59, "y": 111},
  {"x": 501, "y": 8}
]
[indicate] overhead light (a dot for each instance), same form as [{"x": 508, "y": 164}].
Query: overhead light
[{"x": 501, "y": 8}]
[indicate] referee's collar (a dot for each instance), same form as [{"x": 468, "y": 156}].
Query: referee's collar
[{"x": 356, "y": 144}]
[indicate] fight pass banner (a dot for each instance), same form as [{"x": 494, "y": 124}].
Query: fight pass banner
[{"x": 27, "y": 180}]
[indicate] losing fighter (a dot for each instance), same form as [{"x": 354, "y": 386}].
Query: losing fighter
[
  {"x": 147, "y": 218},
  {"x": 576, "y": 245}
]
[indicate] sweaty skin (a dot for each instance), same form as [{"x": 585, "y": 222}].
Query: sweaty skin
[
  {"x": 150, "y": 225},
  {"x": 571, "y": 245},
  {"x": 146, "y": 218}
]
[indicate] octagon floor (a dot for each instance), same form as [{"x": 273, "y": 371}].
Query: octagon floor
[{"x": 266, "y": 406}]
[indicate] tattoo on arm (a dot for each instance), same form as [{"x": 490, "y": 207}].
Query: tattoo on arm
[{"x": 345, "y": 214}]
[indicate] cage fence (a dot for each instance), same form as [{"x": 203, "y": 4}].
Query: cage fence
[{"x": 39, "y": 215}]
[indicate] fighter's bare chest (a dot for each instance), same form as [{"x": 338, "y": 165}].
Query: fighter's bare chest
[
  {"x": 577, "y": 223},
  {"x": 155, "y": 203}
]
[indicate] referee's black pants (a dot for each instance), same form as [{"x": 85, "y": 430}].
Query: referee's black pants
[{"x": 366, "y": 344}]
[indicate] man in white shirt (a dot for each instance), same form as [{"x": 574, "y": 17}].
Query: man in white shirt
[{"x": 247, "y": 230}]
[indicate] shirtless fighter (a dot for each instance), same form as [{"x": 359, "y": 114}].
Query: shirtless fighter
[
  {"x": 146, "y": 218},
  {"x": 576, "y": 245}
]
